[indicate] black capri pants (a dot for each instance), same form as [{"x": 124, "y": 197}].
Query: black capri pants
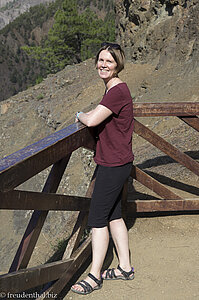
[{"x": 106, "y": 199}]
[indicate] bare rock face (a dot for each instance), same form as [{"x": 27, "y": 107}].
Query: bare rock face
[
  {"x": 11, "y": 9},
  {"x": 159, "y": 31}
]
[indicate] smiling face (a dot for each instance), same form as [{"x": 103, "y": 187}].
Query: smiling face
[{"x": 106, "y": 66}]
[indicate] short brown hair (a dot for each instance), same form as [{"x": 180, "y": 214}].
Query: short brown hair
[{"x": 116, "y": 52}]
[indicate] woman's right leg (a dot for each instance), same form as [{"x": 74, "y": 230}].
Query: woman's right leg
[{"x": 100, "y": 241}]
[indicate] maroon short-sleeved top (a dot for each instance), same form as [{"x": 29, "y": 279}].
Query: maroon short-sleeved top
[{"x": 114, "y": 144}]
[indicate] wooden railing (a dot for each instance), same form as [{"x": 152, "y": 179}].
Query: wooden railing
[{"x": 56, "y": 150}]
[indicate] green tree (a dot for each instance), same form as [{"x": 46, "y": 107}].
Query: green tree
[
  {"x": 74, "y": 37},
  {"x": 64, "y": 36}
]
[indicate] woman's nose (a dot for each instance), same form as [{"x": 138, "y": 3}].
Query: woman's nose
[{"x": 104, "y": 64}]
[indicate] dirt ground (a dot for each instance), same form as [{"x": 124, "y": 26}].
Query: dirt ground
[{"x": 165, "y": 255}]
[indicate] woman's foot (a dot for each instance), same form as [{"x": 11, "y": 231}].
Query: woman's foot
[
  {"x": 88, "y": 285},
  {"x": 118, "y": 273}
]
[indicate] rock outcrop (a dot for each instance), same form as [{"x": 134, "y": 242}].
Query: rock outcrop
[{"x": 159, "y": 31}]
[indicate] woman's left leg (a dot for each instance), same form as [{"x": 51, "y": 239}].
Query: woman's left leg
[{"x": 120, "y": 238}]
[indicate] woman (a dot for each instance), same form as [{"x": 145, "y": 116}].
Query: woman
[{"x": 114, "y": 120}]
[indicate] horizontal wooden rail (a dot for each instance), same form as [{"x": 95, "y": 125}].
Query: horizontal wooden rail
[
  {"x": 24, "y": 164},
  {"x": 23, "y": 200},
  {"x": 22, "y": 280},
  {"x": 29, "y": 200},
  {"x": 166, "y": 109},
  {"x": 140, "y": 206}
]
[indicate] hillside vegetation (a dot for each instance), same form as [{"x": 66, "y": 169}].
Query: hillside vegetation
[
  {"x": 76, "y": 33},
  {"x": 73, "y": 38}
]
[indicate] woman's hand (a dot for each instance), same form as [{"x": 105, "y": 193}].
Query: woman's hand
[{"x": 77, "y": 116}]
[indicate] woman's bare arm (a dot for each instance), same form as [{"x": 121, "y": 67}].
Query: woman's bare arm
[{"x": 95, "y": 116}]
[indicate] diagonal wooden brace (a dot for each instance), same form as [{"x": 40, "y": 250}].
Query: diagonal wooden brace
[{"x": 38, "y": 218}]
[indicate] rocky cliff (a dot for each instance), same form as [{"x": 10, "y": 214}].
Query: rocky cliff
[
  {"x": 11, "y": 9},
  {"x": 159, "y": 31}
]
